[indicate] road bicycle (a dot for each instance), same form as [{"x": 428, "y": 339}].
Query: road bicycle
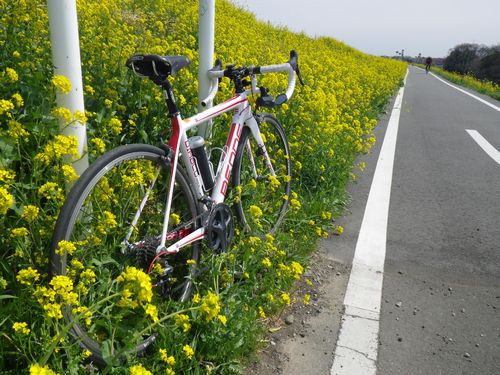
[{"x": 157, "y": 207}]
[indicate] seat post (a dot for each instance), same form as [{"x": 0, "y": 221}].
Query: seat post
[{"x": 169, "y": 98}]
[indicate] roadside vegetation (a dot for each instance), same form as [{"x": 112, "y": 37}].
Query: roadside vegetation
[
  {"x": 329, "y": 123},
  {"x": 484, "y": 87}
]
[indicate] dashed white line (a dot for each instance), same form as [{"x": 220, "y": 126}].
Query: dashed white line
[
  {"x": 357, "y": 344},
  {"x": 485, "y": 145}
]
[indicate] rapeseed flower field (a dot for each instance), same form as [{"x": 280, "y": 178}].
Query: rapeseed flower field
[{"x": 329, "y": 123}]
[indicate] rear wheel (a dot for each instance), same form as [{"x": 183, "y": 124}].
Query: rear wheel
[
  {"x": 107, "y": 258},
  {"x": 261, "y": 197}
]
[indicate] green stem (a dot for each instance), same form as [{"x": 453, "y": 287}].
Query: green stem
[
  {"x": 67, "y": 328},
  {"x": 154, "y": 324}
]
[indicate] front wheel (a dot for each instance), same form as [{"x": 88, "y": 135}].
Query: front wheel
[
  {"x": 104, "y": 250},
  {"x": 261, "y": 196}
]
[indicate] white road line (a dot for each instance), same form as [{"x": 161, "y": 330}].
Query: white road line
[
  {"x": 485, "y": 145},
  {"x": 496, "y": 108},
  {"x": 357, "y": 344}
]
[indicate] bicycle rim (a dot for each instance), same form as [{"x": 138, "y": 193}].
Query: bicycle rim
[
  {"x": 261, "y": 200},
  {"x": 96, "y": 218}
]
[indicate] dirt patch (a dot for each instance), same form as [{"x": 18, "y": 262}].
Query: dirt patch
[{"x": 302, "y": 339}]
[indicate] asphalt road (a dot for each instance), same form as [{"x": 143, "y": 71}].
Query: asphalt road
[
  {"x": 441, "y": 293},
  {"x": 440, "y": 305}
]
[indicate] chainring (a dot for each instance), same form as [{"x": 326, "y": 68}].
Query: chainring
[{"x": 220, "y": 228}]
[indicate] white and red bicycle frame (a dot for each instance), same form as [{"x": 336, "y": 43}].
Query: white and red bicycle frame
[{"x": 179, "y": 143}]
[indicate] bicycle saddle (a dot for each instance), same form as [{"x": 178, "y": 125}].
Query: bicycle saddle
[{"x": 155, "y": 66}]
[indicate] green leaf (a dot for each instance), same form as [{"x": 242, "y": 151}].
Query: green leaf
[
  {"x": 107, "y": 352},
  {"x": 7, "y": 296}
]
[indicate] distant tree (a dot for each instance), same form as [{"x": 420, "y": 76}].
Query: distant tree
[
  {"x": 489, "y": 65},
  {"x": 478, "y": 60},
  {"x": 463, "y": 58}
]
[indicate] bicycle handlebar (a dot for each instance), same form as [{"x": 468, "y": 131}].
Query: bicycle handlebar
[{"x": 291, "y": 67}]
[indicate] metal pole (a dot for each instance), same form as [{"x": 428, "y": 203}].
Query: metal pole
[
  {"x": 65, "y": 43},
  {"x": 206, "y": 33}
]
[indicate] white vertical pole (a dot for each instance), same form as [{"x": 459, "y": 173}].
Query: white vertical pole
[
  {"x": 206, "y": 32},
  {"x": 65, "y": 43}
]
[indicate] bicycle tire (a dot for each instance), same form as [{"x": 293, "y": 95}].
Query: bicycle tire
[
  {"x": 269, "y": 196},
  {"x": 103, "y": 188}
]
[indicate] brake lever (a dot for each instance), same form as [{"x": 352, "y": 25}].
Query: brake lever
[{"x": 299, "y": 75}]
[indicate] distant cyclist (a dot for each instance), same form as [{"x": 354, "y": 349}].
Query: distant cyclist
[{"x": 428, "y": 63}]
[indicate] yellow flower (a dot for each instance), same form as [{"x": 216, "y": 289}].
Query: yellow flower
[
  {"x": 61, "y": 145},
  {"x": 261, "y": 312},
  {"x": 339, "y": 230},
  {"x": 21, "y": 327},
  {"x": 182, "y": 320},
  {"x": 252, "y": 240},
  {"x": 296, "y": 269},
  {"x": 51, "y": 190},
  {"x": 170, "y": 360},
  {"x": 210, "y": 306},
  {"x": 89, "y": 90},
  {"x": 222, "y": 319},
  {"x": 115, "y": 125},
  {"x": 84, "y": 312},
  {"x": 19, "y": 232},
  {"x": 196, "y": 298},
  {"x": 18, "y": 99},
  {"x": 266, "y": 262},
  {"x": 53, "y": 310},
  {"x": 30, "y": 213},
  {"x": 152, "y": 312},
  {"x": 27, "y": 276},
  {"x": 80, "y": 117},
  {"x": 139, "y": 370},
  {"x": 85, "y": 354},
  {"x": 188, "y": 351},
  {"x": 255, "y": 211},
  {"x": 16, "y": 130},
  {"x": 69, "y": 173},
  {"x": 136, "y": 284},
  {"x": 295, "y": 203},
  {"x": 61, "y": 83},
  {"x": 99, "y": 144},
  {"x": 326, "y": 215},
  {"x": 275, "y": 183},
  {"x": 11, "y": 74},
  {"x": 36, "y": 369},
  {"x": 176, "y": 219},
  {"x": 285, "y": 298},
  {"x": 106, "y": 221},
  {"x": 307, "y": 298},
  {"x": 63, "y": 287},
  {"x": 108, "y": 103},
  {"x": 63, "y": 113},
  {"x": 5, "y": 105},
  {"x": 65, "y": 247}
]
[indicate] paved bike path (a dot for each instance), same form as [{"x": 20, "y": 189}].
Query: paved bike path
[{"x": 441, "y": 293}]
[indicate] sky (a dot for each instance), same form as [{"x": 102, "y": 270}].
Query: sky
[{"x": 382, "y": 27}]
